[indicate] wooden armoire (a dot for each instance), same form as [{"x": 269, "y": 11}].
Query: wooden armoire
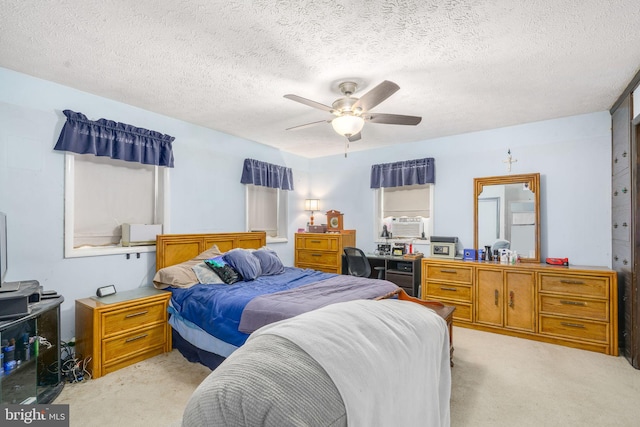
[{"x": 625, "y": 217}]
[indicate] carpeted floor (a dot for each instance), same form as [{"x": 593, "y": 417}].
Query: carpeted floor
[{"x": 497, "y": 381}]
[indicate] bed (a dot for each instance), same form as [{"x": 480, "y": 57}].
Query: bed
[
  {"x": 356, "y": 363},
  {"x": 211, "y": 319}
]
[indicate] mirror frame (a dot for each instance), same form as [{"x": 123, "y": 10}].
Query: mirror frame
[{"x": 533, "y": 180}]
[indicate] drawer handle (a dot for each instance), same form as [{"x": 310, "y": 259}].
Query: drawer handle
[
  {"x": 140, "y": 313},
  {"x": 136, "y": 338},
  {"x": 316, "y": 241},
  {"x": 449, "y": 271},
  {"x": 572, "y": 325},
  {"x": 316, "y": 254},
  {"x": 449, "y": 289},
  {"x": 572, "y": 282},
  {"x": 580, "y": 303}
]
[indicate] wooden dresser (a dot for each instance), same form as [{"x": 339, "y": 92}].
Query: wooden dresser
[
  {"x": 122, "y": 329},
  {"x": 574, "y": 306},
  {"x": 322, "y": 251}
]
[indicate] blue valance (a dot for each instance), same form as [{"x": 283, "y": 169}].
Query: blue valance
[
  {"x": 266, "y": 174},
  {"x": 116, "y": 140},
  {"x": 409, "y": 172}
]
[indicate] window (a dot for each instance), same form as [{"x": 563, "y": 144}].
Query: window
[
  {"x": 409, "y": 201},
  {"x": 101, "y": 194},
  {"x": 267, "y": 211}
]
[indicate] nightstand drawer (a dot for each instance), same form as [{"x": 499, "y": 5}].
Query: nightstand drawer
[
  {"x": 582, "y": 308},
  {"x": 574, "y": 328},
  {"x": 575, "y": 284},
  {"x": 449, "y": 290},
  {"x": 136, "y": 341},
  {"x": 123, "y": 320},
  {"x": 449, "y": 273},
  {"x": 318, "y": 258}
]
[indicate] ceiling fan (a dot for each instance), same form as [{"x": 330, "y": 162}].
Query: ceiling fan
[{"x": 351, "y": 112}]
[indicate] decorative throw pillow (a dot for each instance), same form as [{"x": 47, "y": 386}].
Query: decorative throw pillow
[
  {"x": 205, "y": 274},
  {"x": 243, "y": 261},
  {"x": 226, "y": 272},
  {"x": 270, "y": 264}
]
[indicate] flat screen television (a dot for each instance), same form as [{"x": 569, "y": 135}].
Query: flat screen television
[{"x": 3, "y": 247}]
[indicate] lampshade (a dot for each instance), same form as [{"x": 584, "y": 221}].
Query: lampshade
[
  {"x": 347, "y": 125},
  {"x": 312, "y": 205}
]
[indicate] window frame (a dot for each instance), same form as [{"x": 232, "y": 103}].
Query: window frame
[
  {"x": 161, "y": 196},
  {"x": 379, "y": 220},
  {"x": 282, "y": 212}
]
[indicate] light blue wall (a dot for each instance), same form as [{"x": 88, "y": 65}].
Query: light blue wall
[{"x": 572, "y": 155}]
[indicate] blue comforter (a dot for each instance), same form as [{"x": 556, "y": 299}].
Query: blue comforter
[{"x": 218, "y": 308}]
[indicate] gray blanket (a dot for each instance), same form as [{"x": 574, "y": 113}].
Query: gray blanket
[
  {"x": 271, "y": 383},
  {"x": 270, "y": 308}
]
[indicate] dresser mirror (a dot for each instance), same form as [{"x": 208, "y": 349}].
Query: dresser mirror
[{"x": 507, "y": 214}]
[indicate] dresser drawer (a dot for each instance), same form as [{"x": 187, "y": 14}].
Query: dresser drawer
[
  {"x": 133, "y": 317},
  {"x": 324, "y": 242},
  {"x": 450, "y": 291},
  {"x": 575, "y": 285},
  {"x": 582, "y": 308},
  {"x": 574, "y": 328},
  {"x": 325, "y": 268},
  {"x": 462, "y": 312},
  {"x": 317, "y": 258},
  {"x": 449, "y": 273},
  {"x": 135, "y": 341}
]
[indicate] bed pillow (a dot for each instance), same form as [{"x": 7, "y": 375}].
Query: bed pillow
[
  {"x": 270, "y": 264},
  {"x": 226, "y": 272},
  {"x": 182, "y": 275},
  {"x": 212, "y": 252},
  {"x": 243, "y": 261},
  {"x": 178, "y": 276},
  {"x": 206, "y": 275}
]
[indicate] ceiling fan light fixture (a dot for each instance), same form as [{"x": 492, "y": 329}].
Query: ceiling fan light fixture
[{"x": 347, "y": 125}]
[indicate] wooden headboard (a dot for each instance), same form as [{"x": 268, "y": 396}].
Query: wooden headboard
[{"x": 173, "y": 249}]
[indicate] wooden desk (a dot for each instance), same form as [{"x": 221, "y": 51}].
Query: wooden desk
[{"x": 405, "y": 273}]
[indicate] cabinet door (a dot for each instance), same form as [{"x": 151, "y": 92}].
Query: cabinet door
[
  {"x": 489, "y": 296},
  {"x": 520, "y": 299}
]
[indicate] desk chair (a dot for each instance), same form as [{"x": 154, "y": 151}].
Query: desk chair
[{"x": 358, "y": 263}]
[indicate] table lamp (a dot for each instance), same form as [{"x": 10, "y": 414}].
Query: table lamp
[{"x": 311, "y": 205}]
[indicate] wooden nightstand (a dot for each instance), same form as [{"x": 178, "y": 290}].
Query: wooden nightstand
[{"x": 122, "y": 329}]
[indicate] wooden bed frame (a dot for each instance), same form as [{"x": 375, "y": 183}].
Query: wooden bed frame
[{"x": 173, "y": 249}]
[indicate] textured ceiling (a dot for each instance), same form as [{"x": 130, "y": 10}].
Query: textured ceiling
[{"x": 461, "y": 65}]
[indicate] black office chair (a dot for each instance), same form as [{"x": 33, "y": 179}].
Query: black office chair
[{"x": 358, "y": 263}]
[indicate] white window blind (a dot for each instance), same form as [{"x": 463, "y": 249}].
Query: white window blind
[
  {"x": 410, "y": 200},
  {"x": 267, "y": 210},
  {"x": 101, "y": 194}
]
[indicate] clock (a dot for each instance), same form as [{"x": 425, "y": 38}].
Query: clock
[{"x": 334, "y": 220}]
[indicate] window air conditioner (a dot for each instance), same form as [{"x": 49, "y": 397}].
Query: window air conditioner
[
  {"x": 407, "y": 227},
  {"x": 140, "y": 234}
]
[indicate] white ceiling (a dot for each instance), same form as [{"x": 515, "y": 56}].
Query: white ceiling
[{"x": 461, "y": 65}]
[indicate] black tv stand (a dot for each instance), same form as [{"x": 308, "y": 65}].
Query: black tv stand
[{"x": 34, "y": 374}]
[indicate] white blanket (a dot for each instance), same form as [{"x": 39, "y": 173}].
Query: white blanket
[{"x": 389, "y": 359}]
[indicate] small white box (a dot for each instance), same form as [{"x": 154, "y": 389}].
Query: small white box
[{"x": 140, "y": 234}]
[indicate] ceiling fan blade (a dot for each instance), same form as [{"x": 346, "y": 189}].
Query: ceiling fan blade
[
  {"x": 306, "y": 125},
  {"x": 309, "y": 102},
  {"x": 393, "y": 119},
  {"x": 376, "y": 95},
  {"x": 354, "y": 138}
]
